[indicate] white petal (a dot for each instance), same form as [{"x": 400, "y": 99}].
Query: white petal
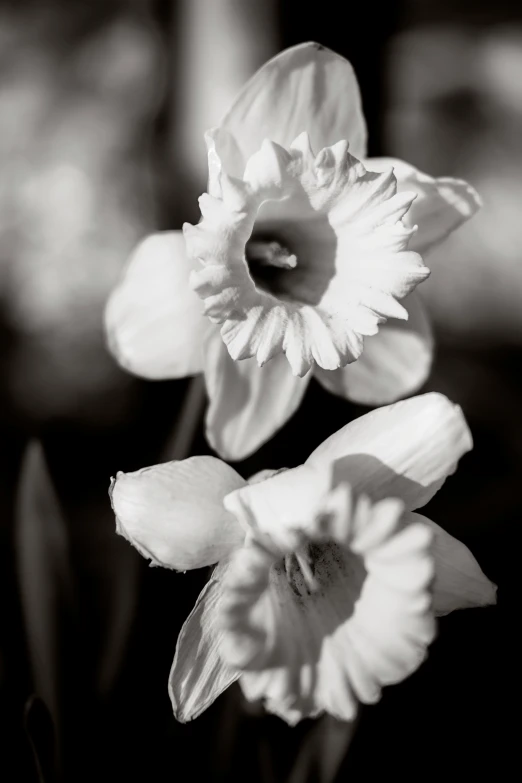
[
  {"x": 198, "y": 674},
  {"x": 154, "y": 321},
  {"x": 173, "y": 513},
  {"x": 365, "y": 622},
  {"x": 441, "y": 206},
  {"x": 247, "y": 403},
  {"x": 276, "y": 505},
  {"x": 404, "y": 450},
  {"x": 394, "y": 363},
  {"x": 305, "y": 88},
  {"x": 460, "y": 582}
]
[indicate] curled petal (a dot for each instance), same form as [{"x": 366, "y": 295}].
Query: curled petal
[
  {"x": 344, "y": 286},
  {"x": 404, "y": 450},
  {"x": 441, "y": 206},
  {"x": 153, "y": 319},
  {"x": 327, "y": 623},
  {"x": 306, "y": 87},
  {"x": 460, "y": 582},
  {"x": 247, "y": 403},
  {"x": 173, "y": 513},
  {"x": 395, "y": 363},
  {"x": 199, "y": 674}
]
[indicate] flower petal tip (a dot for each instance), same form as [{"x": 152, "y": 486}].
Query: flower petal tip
[
  {"x": 152, "y": 507},
  {"x": 462, "y": 195},
  {"x": 198, "y": 674},
  {"x": 303, "y": 144},
  {"x": 467, "y": 436},
  {"x": 491, "y": 597}
]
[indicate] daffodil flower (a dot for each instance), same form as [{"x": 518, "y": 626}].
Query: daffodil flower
[
  {"x": 327, "y": 582},
  {"x": 305, "y": 259}
]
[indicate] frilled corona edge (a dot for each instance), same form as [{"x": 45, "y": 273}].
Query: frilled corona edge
[
  {"x": 365, "y": 265},
  {"x": 332, "y": 610}
]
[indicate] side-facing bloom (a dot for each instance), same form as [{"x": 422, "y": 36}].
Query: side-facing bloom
[
  {"x": 327, "y": 582},
  {"x": 306, "y": 258}
]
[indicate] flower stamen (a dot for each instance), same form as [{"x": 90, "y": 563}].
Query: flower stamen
[
  {"x": 300, "y": 558},
  {"x": 270, "y": 254},
  {"x": 304, "y": 561}
]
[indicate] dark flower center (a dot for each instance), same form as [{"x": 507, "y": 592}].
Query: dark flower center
[{"x": 270, "y": 262}]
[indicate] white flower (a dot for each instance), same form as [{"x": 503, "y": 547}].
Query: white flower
[
  {"x": 348, "y": 267},
  {"x": 327, "y": 582},
  {"x": 307, "y": 248}
]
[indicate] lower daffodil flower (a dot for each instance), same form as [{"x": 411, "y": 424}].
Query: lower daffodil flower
[
  {"x": 306, "y": 252},
  {"x": 327, "y": 583}
]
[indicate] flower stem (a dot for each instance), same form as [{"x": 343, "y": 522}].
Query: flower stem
[{"x": 179, "y": 444}]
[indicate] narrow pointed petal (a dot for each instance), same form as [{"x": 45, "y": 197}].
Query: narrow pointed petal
[
  {"x": 441, "y": 206},
  {"x": 305, "y": 88},
  {"x": 247, "y": 403},
  {"x": 404, "y": 450},
  {"x": 153, "y": 319},
  {"x": 394, "y": 363},
  {"x": 198, "y": 674},
  {"x": 460, "y": 582},
  {"x": 173, "y": 513}
]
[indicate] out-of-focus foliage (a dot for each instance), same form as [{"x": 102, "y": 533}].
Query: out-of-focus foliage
[
  {"x": 78, "y": 89},
  {"x": 44, "y": 577},
  {"x": 455, "y": 107}
]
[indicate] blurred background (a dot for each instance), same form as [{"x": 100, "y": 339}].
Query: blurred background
[{"x": 102, "y": 109}]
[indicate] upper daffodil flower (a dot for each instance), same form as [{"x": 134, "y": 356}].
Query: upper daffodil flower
[
  {"x": 331, "y": 265},
  {"x": 306, "y": 258},
  {"x": 327, "y": 582}
]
